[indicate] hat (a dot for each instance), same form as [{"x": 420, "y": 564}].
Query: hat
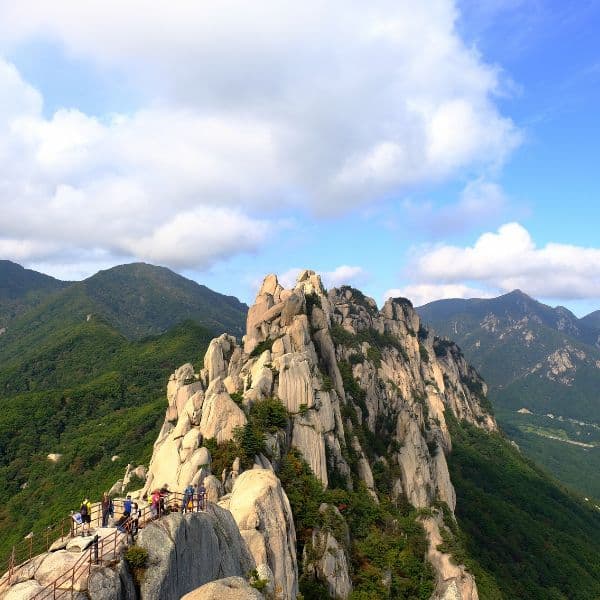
[{"x": 128, "y": 496}]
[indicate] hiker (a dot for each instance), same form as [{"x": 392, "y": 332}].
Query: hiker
[
  {"x": 85, "y": 510},
  {"x": 122, "y": 523},
  {"x": 201, "y": 491},
  {"x": 155, "y": 503},
  {"x": 164, "y": 493},
  {"x": 136, "y": 513},
  {"x": 108, "y": 509},
  {"x": 127, "y": 506},
  {"x": 188, "y": 499}
]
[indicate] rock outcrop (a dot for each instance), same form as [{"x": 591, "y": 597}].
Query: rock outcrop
[
  {"x": 326, "y": 557},
  {"x": 453, "y": 581},
  {"x": 363, "y": 387},
  {"x": 187, "y": 551},
  {"x": 262, "y": 511},
  {"x": 230, "y": 588}
]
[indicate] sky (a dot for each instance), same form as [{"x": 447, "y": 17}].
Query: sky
[{"x": 429, "y": 149}]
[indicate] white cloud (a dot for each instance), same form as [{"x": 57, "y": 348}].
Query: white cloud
[
  {"x": 480, "y": 202},
  {"x": 284, "y": 105},
  {"x": 508, "y": 259},
  {"x": 342, "y": 275}
]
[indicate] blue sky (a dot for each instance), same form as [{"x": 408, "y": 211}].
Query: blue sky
[{"x": 435, "y": 151}]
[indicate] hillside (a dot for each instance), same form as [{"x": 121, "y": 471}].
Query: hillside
[
  {"x": 592, "y": 320},
  {"x": 140, "y": 299},
  {"x": 134, "y": 300},
  {"x": 72, "y": 358},
  {"x": 22, "y": 289},
  {"x": 540, "y": 359},
  {"x": 88, "y": 394},
  {"x": 536, "y": 539}
]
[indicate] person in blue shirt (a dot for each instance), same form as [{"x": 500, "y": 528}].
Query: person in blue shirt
[
  {"x": 127, "y": 506},
  {"x": 188, "y": 499}
]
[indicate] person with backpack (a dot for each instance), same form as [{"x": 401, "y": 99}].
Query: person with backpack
[
  {"x": 85, "y": 510},
  {"x": 188, "y": 499},
  {"x": 108, "y": 509}
]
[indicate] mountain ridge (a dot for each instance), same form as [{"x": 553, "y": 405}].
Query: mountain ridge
[
  {"x": 137, "y": 300},
  {"x": 543, "y": 368},
  {"x": 22, "y": 289}
]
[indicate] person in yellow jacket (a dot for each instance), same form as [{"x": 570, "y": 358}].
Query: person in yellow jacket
[{"x": 86, "y": 516}]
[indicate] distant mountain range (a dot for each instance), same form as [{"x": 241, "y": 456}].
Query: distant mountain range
[
  {"x": 22, "y": 289},
  {"x": 136, "y": 299},
  {"x": 539, "y": 360}
]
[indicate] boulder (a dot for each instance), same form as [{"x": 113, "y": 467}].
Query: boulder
[
  {"x": 23, "y": 591},
  {"x": 111, "y": 583},
  {"x": 229, "y": 588},
  {"x": 262, "y": 510},
  {"x": 187, "y": 551},
  {"x": 220, "y": 416},
  {"x": 54, "y": 564},
  {"x": 214, "y": 488},
  {"x": 217, "y": 356},
  {"x": 330, "y": 564}
]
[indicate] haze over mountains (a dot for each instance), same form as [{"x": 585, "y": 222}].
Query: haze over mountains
[{"x": 541, "y": 359}]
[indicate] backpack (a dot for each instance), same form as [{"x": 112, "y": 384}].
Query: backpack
[{"x": 83, "y": 510}]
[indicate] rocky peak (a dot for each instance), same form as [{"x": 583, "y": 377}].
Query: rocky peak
[{"x": 361, "y": 387}]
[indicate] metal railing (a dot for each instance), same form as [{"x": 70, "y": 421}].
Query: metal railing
[
  {"x": 107, "y": 549},
  {"x": 38, "y": 542}
]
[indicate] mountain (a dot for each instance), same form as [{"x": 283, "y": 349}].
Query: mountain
[
  {"x": 22, "y": 289},
  {"x": 135, "y": 300},
  {"x": 543, "y": 368},
  {"x": 79, "y": 353},
  {"x": 347, "y": 452},
  {"x": 592, "y": 320},
  {"x": 140, "y": 299}
]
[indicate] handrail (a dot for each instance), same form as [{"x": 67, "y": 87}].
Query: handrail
[
  {"x": 38, "y": 542},
  {"x": 54, "y": 589}
]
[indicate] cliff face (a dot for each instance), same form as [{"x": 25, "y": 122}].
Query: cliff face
[
  {"x": 363, "y": 387},
  {"x": 339, "y": 365}
]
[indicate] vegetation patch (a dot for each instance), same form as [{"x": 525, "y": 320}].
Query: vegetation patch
[
  {"x": 261, "y": 347},
  {"x": 546, "y": 541}
]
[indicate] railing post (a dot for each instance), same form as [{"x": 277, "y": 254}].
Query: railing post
[{"x": 96, "y": 549}]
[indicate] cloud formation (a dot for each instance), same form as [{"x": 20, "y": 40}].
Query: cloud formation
[
  {"x": 501, "y": 261},
  {"x": 480, "y": 201},
  {"x": 246, "y": 114}
]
